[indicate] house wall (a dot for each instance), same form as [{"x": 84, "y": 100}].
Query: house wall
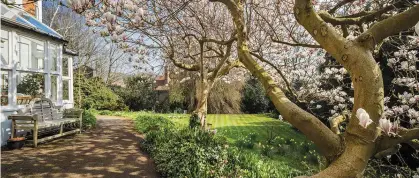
[{"x": 51, "y": 78}]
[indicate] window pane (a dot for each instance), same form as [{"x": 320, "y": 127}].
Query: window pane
[
  {"x": 54, "y": 57},
  {"x": 31, "y": 53},
  {"x": 37, "y": 55},
  {"x": 24, "y": 54},
  {"x": 4, "y": 45},
  {"x": 54, "y": 79},
  {"x": 65, "y": 66},
  {"x": 4, "y": 88},
  {"x": 66, "y": 90},
  {"x": 30, "y": 85}
]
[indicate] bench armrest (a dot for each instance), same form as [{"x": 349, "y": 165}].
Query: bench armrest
[
  {"x": 23, "y": 117},
  {"x": 72, "y": 113}
]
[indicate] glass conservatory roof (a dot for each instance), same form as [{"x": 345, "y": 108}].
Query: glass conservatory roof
[{"x": 21, "y": 18}]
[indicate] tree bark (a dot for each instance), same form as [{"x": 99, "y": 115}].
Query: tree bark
[{"x": 202, "y": 92}]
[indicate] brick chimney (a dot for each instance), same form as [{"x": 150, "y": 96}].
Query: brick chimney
[
  {"x": 33, "y": 8},
  {"x": 30, "y": 7}
]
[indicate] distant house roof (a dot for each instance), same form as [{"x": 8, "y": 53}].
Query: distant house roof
[
  {"x": 161, "y": 77},
  {"x": 19, "y": 18},
  {"x": 162, "y": 88}
]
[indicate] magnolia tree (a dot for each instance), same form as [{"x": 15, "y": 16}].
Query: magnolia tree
[
  {"x": 194, "y": 36},
  {"x": 350, "y": 32}
]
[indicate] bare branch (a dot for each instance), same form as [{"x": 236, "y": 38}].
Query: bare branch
[
  {"x": 188, "y": 67},
  {"x": 296, "y": 44},
  {"x": 221, "y": 42},
  {"x": 339, "y": 5},
  {"x": 404, "y": 136},
  {"x": 228, "y": 67},
  {"x": 359, "y": 18},
  {"x": 280, "y": 73},
  {"x": 221, "y": 63},
  {"x": 390, "y": 151},
  {"x": 327, "y": 36},
  {"x": 391, "y": 25}
]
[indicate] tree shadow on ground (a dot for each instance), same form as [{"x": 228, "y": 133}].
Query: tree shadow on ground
[
  {"x": 264, "y": 131},
  {"x": 110, "y": 150}
]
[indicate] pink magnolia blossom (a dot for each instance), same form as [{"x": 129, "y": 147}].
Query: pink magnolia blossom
[
  {"x": 364, "y": 118},
  {"x": 396, "y": 126},
  {"x": 109, "y": 17},
  {"x": 386, "y": 126}
]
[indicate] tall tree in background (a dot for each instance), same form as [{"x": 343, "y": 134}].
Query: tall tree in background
[{"x": 254, "y": 99}]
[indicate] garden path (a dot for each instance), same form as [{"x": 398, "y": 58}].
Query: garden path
[{"x": 110, "y": 150}]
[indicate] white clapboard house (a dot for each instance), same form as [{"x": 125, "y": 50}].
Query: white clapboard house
[{"x": 34, "y": 62}]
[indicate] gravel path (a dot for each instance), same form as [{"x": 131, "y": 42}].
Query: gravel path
[{"x": 110, "y": 150}]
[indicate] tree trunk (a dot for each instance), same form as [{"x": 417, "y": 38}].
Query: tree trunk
[{"x": 202, "y": 92}]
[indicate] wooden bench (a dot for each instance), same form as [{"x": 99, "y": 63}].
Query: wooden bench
[{"x": 41, "y": 118}]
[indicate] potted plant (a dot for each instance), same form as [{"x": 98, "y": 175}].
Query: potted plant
[{"x": 16, "y": 143}]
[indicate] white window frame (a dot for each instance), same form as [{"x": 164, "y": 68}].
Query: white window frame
[
  {"x": 14, "y": 69},
  {"x": 9, "y": 43},
  {"x": 69, "y": 79}
]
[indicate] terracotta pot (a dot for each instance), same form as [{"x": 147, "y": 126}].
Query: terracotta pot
[{"x": 16, "y": 143}]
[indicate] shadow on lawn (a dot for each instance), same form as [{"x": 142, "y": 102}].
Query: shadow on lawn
[{"x": 111, "y": 150}]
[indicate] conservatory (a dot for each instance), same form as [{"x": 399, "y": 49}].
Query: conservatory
[{"x": 34, "y": 63}]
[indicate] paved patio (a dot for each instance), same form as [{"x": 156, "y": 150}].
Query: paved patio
[{"x": 110, "y": 150}]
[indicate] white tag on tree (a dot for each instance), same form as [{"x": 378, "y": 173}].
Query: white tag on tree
[{"x": 417, "y": 28}]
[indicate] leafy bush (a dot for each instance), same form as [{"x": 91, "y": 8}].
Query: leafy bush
[
  {"x": 284, "y": 149},
  {"x": 88, "y": 120},
  {"x": 105, "y": 112},
  {"x": 198, "y": 153},
  {"x": 139, "y": 93},
  {"x": 145, "y": 123},
  {"x": 312, "y": 157},
  {"x": 254, "y": 98},
  {"x": 194, "y": 121},
  {"x": 267, "y": 150},
  {"x": 247, "y": 142},
  {"x": 278, "y": 141},
  {"x": 92, "y": 93}
]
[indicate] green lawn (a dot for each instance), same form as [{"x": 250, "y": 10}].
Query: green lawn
[{"x": 236, "y": 126}]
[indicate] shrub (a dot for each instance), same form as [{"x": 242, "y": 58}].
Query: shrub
[
  {"x": 312, "y": 157},
  {"x": 139, "y": 93},
  {"x": 105, "y": 112},
  {"x": 92, "y": 93},
  {"x": 145, "y": 123},
  {"x": 247, "y": 142},
  {"x": 194, "y": 121},
  {"x": 88, "y": 120},
  {"x": 284, "y": 149},
  {"x": 267, "y": 150},
  {"x": 198, "y": 153},
  {"x": 278, "y": 141}
]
